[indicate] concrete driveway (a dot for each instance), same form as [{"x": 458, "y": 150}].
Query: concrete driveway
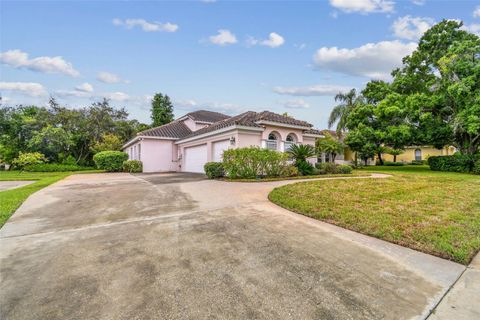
[{"x": 173, "y": 246}]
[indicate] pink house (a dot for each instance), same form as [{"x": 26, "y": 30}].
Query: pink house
[{"x": 196, "y": 138}]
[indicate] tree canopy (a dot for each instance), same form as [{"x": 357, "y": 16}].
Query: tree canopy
[
  {"x": 433, "y": 99},
  {"x": 162, "y": 110}
]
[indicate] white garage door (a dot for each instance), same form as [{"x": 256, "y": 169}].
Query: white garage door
[
  {"x": 218, "y": 148},
  {"x": 195, "y": 158}
]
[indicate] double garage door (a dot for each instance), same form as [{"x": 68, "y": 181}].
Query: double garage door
[{"x": 196, "y": 157}]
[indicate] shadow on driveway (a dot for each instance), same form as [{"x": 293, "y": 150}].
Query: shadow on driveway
[{"x": 173, "y": 177}]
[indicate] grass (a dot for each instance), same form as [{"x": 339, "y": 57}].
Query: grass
[
  {"x": 433, "y": 212},
  {"x": 10, "y": 200},
  {"x": 355, "y": 174}
]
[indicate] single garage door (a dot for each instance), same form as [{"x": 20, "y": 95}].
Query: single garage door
[
  {"x": 195, "y": 158},
  {"x": 218, "y": 148}
]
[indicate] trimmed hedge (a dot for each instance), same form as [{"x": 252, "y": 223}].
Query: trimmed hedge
[
  {"x": 344, "y": 169},
  {"x": 55, "y": 167},
  {"x": 455, "y": 163},
  {"x": 393, "y": 164},
  {"x": 111, "y": 161},
  {"x": 214, "y": 170},
  {"x": 476, "y": 167},
  {"x": 133, "y": 166},
  {"x": 253, "y": 162}
]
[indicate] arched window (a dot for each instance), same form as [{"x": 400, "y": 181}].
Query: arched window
[
  {"x": 418, "y": 154},
  {"x": 291, "y": 140},
  {"x": 272, "y": 141}
]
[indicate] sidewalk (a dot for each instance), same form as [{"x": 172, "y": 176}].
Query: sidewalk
[{"x": 462, "y": 302}]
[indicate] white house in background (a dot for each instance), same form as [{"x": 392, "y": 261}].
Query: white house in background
[{"x": 196, "y": 138}]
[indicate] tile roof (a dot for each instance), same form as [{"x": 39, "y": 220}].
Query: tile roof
[
  {"x": 244, "y": 119},
  {"x": 206, "y": 116},
  {"x": 314, "y": 131},
  {"x": 175, "y": 129},
  {"x": 275, "y": 117}
]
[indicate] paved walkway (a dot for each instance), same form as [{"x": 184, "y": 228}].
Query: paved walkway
[
  {"x": 173, "y": 246},
  {"x": 7, "y": 185}
]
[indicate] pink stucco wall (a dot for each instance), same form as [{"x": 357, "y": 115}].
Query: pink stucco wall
[
  {"x": 283, "y": 132},
  {"x": 192, "y": 125},
  {"x": 156, "y": 155}
]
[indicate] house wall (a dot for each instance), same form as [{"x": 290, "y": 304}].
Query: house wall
[
  {"x": 283, "y": 132},
  {"x": 409, "y": 154},
  {"x": 248, "y": 139},
  {"x": 209, "y": 142},
  {"x": 156, "y": 155}
]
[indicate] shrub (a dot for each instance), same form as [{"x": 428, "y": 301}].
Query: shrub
[
  {"x": 214, "y": 170},
  {"x": 132, "y": 166},
  {"x": 328, "y": 167},
  {"x": 305, "y": 168},
  {"x": 291, "y": 171},
  {"x": 393, "y": 164},
  {"x": 418, "y": 162},
  {"x": 254, "y": 162},
  {"x": 344, "y": 169},
  {"x": 476, "y": 167},
  {"x": 455, "y": 163},
  {"x": 111, "y": 161},
  {"x": 54, "y": 167},
  {"x": 28, "y": 158},
  {"x": 69, "y": 160}
]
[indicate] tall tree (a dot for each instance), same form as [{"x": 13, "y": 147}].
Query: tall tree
[
  {"x": 339, "y": 114},
  {"x": 162, "y": 110},
  {"x": 439, "y": 88}
]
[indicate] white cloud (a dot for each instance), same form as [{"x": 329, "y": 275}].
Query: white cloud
[
  {"x": 226, "y": 108},
  {"x": 473, "y": 28},
  {"x": 145, "y": 25},
  {"x": 25, "y": 88},
  {"x": 84, "y": 87},
  {"x": 274, "y": 40},
  {"x": 476, "y": 12},
  {"x": 296, "y": 104},
  {"x": 108, "y": 77},
  {"x": 411, "y": 28},
  {"x": 19, "y": 59},
  {"x": 316, "y": 90},
  {"x": 223, "y": 38},
  {"x": 116, "y": 96},
  {"x": 363, "y": 6},
  {"x": 419, "y": 2},
  {"x": 372, "y": 60}
]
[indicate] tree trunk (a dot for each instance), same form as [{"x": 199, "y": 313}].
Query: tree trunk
[
  {"x": 394, "y": 158},
  {"x": 366, "y": 161},
  {"x": 379, "y": 154}
]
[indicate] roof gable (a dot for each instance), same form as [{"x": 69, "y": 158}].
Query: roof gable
[{"x": 206, "y": 116}]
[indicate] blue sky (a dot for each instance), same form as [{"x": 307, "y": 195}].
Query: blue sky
[{"x": 218, "y": 55}]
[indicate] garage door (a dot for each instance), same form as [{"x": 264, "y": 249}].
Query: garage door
[
  {"x": 218, "y": 148},
  {"x": 195, "y": 158}
]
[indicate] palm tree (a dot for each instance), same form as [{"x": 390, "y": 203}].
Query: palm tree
[
  {"x": 300, "y": 152},
  {"x": 348, "y": 101}
]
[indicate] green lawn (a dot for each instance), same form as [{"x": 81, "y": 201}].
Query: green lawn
[
  {"x": 433, "y": 212},
  {"x": 10, "y": 200}
]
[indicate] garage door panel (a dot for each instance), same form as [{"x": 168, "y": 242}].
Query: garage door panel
[
  {"x": 218, "y": 148},
  {"x": 195, "y": 158}
]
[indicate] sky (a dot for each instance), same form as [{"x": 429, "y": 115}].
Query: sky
[{"x": 225, "y": 56}]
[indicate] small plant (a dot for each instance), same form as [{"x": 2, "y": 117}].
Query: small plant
[
  {"x": 214, "y": 170},
  {"x": 418, "y": 162},
  {"x": 132, "y": 166},
  {"x": 28, "y": 158},
  {"x": 111, "y": 161},
  {"x": 344, "y": 169}
]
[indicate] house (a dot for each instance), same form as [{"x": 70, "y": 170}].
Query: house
[
  {"x": 410, "y": 153},
  {"x": 196, "y": 138}
]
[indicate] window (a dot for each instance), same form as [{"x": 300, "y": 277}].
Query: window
[
  {"x": 418, "y": 154},
  {"x": 272, "y": 141},
  {"x": 289, "y": 142}
]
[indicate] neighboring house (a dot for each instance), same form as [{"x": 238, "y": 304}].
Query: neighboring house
[
  {"x": 411, "y": 153},
  {"x": 189, "y": 142}
]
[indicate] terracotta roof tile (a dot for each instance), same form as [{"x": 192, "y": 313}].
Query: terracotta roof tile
[{"x": 176, "y": 129}]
